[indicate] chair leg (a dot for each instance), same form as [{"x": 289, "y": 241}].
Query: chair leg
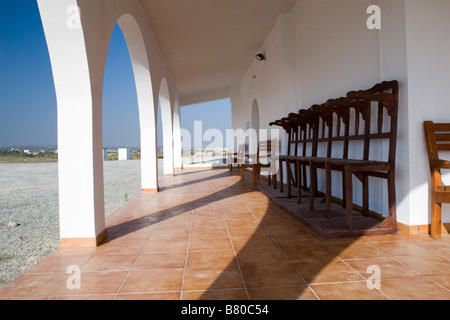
[{"x": 436, "y": 215}]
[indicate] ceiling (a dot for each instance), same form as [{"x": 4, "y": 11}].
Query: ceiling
[{"x": 209, "y": 45}]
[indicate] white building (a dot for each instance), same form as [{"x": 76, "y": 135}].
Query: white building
[{"x": 124, "y": 154}]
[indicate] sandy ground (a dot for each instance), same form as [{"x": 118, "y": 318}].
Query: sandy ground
[{"x": 29, "y": 221}]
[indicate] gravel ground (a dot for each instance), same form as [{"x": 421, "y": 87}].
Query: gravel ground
[{"x": 29, "y": 221}]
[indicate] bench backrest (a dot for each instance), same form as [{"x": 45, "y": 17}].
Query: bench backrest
[
  {"x": 385, "y": 97},
  {"x": 329, "y": 125},
  {"x": 437, "y": 136}
]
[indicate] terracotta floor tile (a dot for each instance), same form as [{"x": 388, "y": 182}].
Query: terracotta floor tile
[
  {"x": 229, "y": 208},
  {"x": 249, "y": 222},
  {"x": 58, "y": 263},
  {"x": 164, "y": 245},
  {"x": 160, "y": 261},
  {"x": 85, "y": 297},
  {"x": 131, "y": 235},
  {"x": 356, "y": 250},
  {"x": 95, "y": 283},
  {"x": 295, "y": 240},
  {"x": 197, "y": 220},
  {"x": 255, "y": 242},
  {"x": 432, "y": 265},
  {"x": 103, "y": 263},
  {"x": 209, "y": 279},
  {"x": 215, "y": 295},
  {"x": 203, "y": 244},
  {"x": 413, "y": 289},
  {"x": 201, "y": 222},
  {"x": 160, "y": 234},
  {"x": 347, "y": 291},
  {"x": 209, "y": 233},
  {"x": 443, "y": 280},
  {"x": 143, "y": 281},
  {"x": 246, "y": 231},
  {"x": 282, "y": 293},
  {"x": 149, "y": 296},
  {"x": 390, "y": 269},
  {"x": 34, "y": 285},
  {"x": 400, "y": 248},
  {"x": 75, "y": 252},
  {"x": 237, "y": 215},
  {"x": 273, "y": 275},
  {"x": 308, "y": 254},
  {"x": 211, "y": 259},
  {"x": 333, "y": 271},
  {"x": 282, "y": 230},
  {"x": 258, "y": 257},
  {"x": 119, "y": 246}
]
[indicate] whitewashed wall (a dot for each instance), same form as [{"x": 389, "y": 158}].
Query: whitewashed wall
[{"x": 323, "y": 49}]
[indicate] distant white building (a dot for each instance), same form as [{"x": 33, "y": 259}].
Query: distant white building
[{"x": 124, "y": 154}]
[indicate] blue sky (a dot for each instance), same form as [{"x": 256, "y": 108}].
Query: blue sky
[{"x": 28, "y": 114}]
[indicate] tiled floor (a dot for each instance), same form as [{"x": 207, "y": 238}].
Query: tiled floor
[{"x": 208, "y": 235}]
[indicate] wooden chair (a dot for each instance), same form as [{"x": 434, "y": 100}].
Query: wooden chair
[
  {"x": 437, "y": 137},
  {"x": 232, "y": 160},
  {"x": 263, "y": 160}
]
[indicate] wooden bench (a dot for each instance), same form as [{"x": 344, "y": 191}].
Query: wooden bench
[
  {"x": 330, "y": 138},
  {"x": 437, "y": 137},
  {"x": 263, "y": 160}
]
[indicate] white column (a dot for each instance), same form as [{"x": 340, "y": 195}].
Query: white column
[
  {"x": 80, "y": 165},
  {"x": 177, "y": 137},
  {"x": 166, "y": 117}
]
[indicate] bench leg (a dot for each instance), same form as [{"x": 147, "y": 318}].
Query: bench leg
[
  {"x": 365, "y": 195},
  {"x": 392, "y": 199},
  {"x": 274, "y": 177},
  {"x": 344, "y": 188},
  {"x": 281, "y": 175},
  {"x": 305, "y": 179},
  {"x": 349, "y": 197},
  {"x": 289, "y": 181},
  {"x": 256, "y": 172},
  {"x": 328, "y": 190},
  {"x": 299, "y": 178},
  {"x": 312, "y": 186}
]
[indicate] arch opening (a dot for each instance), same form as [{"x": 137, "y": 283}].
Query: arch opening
[{"x": 165, "y": 131}]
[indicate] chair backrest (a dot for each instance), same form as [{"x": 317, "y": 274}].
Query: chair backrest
[{"x": 437, "y": 136}]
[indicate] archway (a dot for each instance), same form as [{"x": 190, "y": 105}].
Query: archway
[
  {"x": 141, "y": 69},
  {"x": 120, "y": 126},
  {"x": 167, "y": 127}
]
